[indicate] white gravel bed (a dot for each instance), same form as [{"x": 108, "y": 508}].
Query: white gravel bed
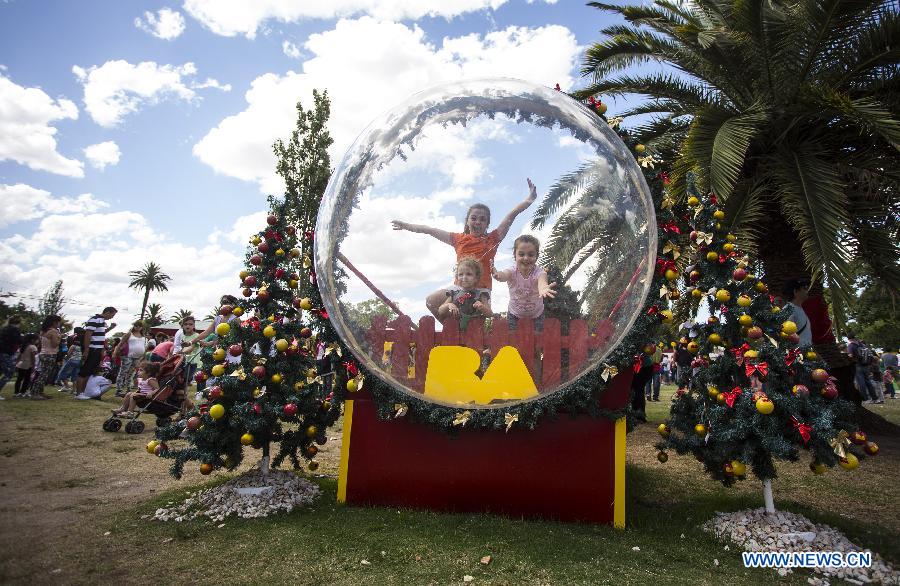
[
  {"x": 756, "y": 530},
  {"x": 287, "y": 491}
]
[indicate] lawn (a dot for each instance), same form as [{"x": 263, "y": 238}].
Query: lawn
[{"x": 73, "y": 497}]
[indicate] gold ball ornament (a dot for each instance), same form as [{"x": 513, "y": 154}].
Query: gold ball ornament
[
  {"x": 206, "y": 469},
  {"x": 671, "y": 274},
  {"x": 217, "y": 411},
  {"x": 719, "y": 215},
  {"x": 693, "y": 347},
  {"x": 789, "y": 328},
  {"x": 700, "y": 429},
  {"x": 311, "y": 431},
  {"x": 306, "y": 304},
  {"x": 276, "y": 378},
  {"x": 313, "y": 466},
  {"x": 730, "y": 237},
  {"x": 849, "y": 463},
  {"x": 818, "y": 468},
  {"x": 281, "y": 345},
  {"x": 812, "y": 355},
  {"x": 751, "y": 354},
  {"x": 293, "y": 283},
  {"x": 255, "y": 240},
  {"x": 218, "y": 354},
  {"x": 720, "y": 398},
  {"x": 312, "y": 373},
  {"x": 247, "y": 439},
  {"x": 674, "y": 294},
  {"x": 712, "y": 256},
  {"x": 243, "y": 274},
  {"x": 640, "y": 148},
  {"x": 715, "y": 339},
  {"x": 713, "y": 392},
  {"x": 663, "y": 430},
  {"x": 723, "y": 295},
  {"x": 693, "y": 201},
  {"x": 761, "y": 287},
  {"x": 295, "y": 253},
  {"x": 222, "y": 329},
  {"x": 739, "y": 468},
  {"x": 728, "y": 247},
  {"x": 744, "y": 301},
  {"x": 151, "y": 447},
  {"x": 279, "y": 252},
  {"x": 352, "y": 386},
  {"x": 662, "y": 457},
  {"x": 697, "y": 294},
  {"x": 871, "y": 448},
  {"x": 667, "y": 316},
  {"x": 238, "y": 311},
  {"x": 269, "y": 332},
  {"x": 745, "y": 320},
  {"x": 765, "y": 406},
  {"x": 217, "y": 370},
  {"x": 298, "y": 386}
]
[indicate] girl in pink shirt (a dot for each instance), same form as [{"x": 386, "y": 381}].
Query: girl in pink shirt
[
  {"x": 147, "y": 385},
  {"x": 527, "y": 283}
]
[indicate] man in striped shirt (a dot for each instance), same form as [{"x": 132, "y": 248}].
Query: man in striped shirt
[{"x": 93, "y": 345}]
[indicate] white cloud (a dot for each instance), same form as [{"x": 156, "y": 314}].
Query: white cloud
[
  {"x": 20, "y": 202},
  {"x": 235, "y": 17},
  {"x": 93, "y": 252},
  {"x": 290, "y": 49},
  {"x": 166, "y": 24},
  {"x": 118, "y": 88},
  {"x": 26, "y": 134},
  {"x": 102, "y": 154},
  {"x": 397, "y": 61}
]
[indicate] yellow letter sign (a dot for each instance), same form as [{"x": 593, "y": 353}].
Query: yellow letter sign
[{"x": 451, "y": 376}]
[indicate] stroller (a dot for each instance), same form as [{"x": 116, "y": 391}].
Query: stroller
[{"x": 164, "y": 403}]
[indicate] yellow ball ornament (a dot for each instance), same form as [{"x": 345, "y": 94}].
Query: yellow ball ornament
[
  {"x": 697, "y": 294},
  {"x": 730, "y": 237},
  {"x": 712, "y": 256},
  {"x": 700, "y": 429},
  {"x": 693, "y": 201},
  {"x": 281, "y": 345},
  {"x": 765, "y": 406},
  {"x": 311, "y": 431},
  {"x": 713, "y": 392},
  {"x": 293, "y": 283},
  {"x": 728, "y": 247},
  {"x": 744, "y": 301},
  {"x": 222, "y": 329},
  {"x": 715, "y": 339},
  {"x": 671, "y": 274},
  {"x": 812, "y": 356},
  {"x": 217, "y": 370},
  {"x": 276, "y": 378},
  {"x": 789, "y": 327},
  {"x": 238, "y": 311},
  {"x": 298, "y": 386},
  {"x": 219, "y": 354},
  {"x": 306, "y": 304},
  {"x": 739, "y": 468},
  {"x": 667, "y": 316},
  {"x": 849, "y": 463},
  {"x": 818, "y": 468},
  {"x": 745, "y": 320},
  {"x": 151, "y": 447},
  {"x": 352, "y": 386},
  {"x": 279, "y": 252},
  {"x": 723, "y": 295},
  {"x": 663, "y": 430},
  {"x": 693, "y": 347},
  {"x": 247, "y": 439},
  {"x": 640, "y": 148},
  {"x": 719, "y": 215},
  {"x": 269, "y": 332},
  {"x": 217, "y": 411}
]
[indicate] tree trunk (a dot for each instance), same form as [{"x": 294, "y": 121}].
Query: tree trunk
[{"x": 144, "y": 306}]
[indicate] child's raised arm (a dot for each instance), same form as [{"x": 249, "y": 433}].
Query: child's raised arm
[
  {"x": 505, "y": 224},
  {"x": 442, "y": 235},
  {"x": 545, "y": 289},
  {"x": 501, "y": 276}
]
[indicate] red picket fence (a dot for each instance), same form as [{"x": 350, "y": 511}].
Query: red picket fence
[{"x": 551, "y": 357}]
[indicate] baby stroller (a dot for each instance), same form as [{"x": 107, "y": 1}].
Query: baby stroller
[{"x": 164, "y": 403}]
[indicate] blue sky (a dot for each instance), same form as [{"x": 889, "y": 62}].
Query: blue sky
[{"x": 180, "y": 102}]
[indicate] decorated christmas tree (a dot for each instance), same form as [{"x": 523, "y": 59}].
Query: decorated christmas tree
[
  {"x": 264, "y": 386},
  {"x": 755, "y": 396}
]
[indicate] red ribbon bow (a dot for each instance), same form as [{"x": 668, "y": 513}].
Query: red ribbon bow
[
  {"x": 653, "y": 310},
  {"x": 664, "y": 177},
  {"x": 663, "y": 265},
  {"x": 351, "y": 368},
  {"x": 792, "y": 356},
  {"x": 732, "y": 395},
  {"x": 670, "y": 227},
  {"x": 323, "y": 314},
  {"x": 762, "y": 369},
  {"x": 802, "y": 428},
  {"x": 638, "y": 360},
  {"x": 713, "y": 199}
]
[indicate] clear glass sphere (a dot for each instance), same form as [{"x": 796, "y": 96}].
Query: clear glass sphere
[{"x": 414, "y": 243}]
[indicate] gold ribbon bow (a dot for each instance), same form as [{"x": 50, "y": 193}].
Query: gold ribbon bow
[
  {"x": 673, "y": 248},
  {"x": 509, "y": 419},
  {"x": 608, "y": 372},
  {"x": 239, "y": 373},
  {"x": 307, "y": 262},
  {"x": 334, "y": 347},
  {"x": 667, "y": 202},
  {"x": 462, "y": 418},
  {"x": 840, "y": 443},
  {"x": 704, "y": 238},
  {"x": 400, "y": 409}
]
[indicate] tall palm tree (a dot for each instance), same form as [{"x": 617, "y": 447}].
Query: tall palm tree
[
  {"x": 154, "y": 315},
  {"x": 786, "y": 111},
  {"x": 149, "y": 278},
  {"x": 180, "y": 315}
]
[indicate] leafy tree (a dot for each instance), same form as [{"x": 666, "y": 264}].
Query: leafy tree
[
  {"x": 53, "y": 300},
  {"x": 180, "y": 315},
  {"x": 786, "y": 110},
  {"x": 362, "y": 313},
  {"x": 154, "y": 315},
  {"x": 31, "y": 320},
  {"x": 875, "y": 316},
  {"x": 149, "y": 278}
]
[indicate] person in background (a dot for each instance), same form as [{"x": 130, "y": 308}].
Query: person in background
[
  {"x": 25, "y": 365},
  {"x": 94, "y": 342},
  {"x": 651, "y": 390},
  {"x": 796, "y": 292},
  {"x": 182, "y": 345},
  {"x": 683, "y": 359},
  {"x": 10, "y": 340},
  {"x": 863, "y": 357},
  {"x": 50, "y": 338},
  {"x": 889, "y": 365},
  {"x": 163, "y": 349},
  {"x": 72, "y": 363},
  {"x": 131, "y": 349}
]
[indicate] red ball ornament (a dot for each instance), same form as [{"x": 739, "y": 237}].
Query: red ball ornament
[
  {"x": 257, "y": 408},
  {"x": 794, "y": 338},
  {"x": 226, "y": 310},
  {"x": 305, "y": 333},
  {"x": 235, "y": 349},
  {"x": 800, "y": 390},
  {"x": 290, "y": 410},
  {"x": 161, "y": 449},
  {"x": 263, "y": 247},
  {"x": 859, "y": 437},
  {"x": 279, "y": 273},
  {"x": 259, "y": 371},
  {"x": 200, "y": 376},
  {"x": 693, "y": 236},
  {"x": 263, "y": 296},
  {"x": 256, "y": 260},
  {"x": 290, "y": 230},
  {"x": 297, "y": 302},
  {"x": 829, "y": 393},
  {"x": 272, "y": 219},
  {"x": 739, "y": 274},
  {"x": 871, "y": 448},
  {"x": 755, "y": 333},
  {"x": 820, "y": 375},
  {"x": 194, "y": 423},
  {"x": 215, "y": 393}
]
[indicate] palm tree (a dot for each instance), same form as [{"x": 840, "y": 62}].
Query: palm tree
[
  {"x": 180, "y": 315},
  {"x": 149, "y": 278},
  {"x": 154, "y": 315},
  {"x": 785, "y": 110}
]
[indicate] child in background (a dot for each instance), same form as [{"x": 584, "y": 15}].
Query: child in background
[
  {"x": 465, "y": 300},
  {"x": 147, "y": 385},
  {"x": 25, "y": 365},
  {"x": 887, "y": 379},
  {"x": 527, "y": 283},
  {"x": 474, "y": 241}
]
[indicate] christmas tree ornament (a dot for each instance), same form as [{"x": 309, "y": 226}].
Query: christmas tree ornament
[
  {"x": 671, "y": 274},
  {"x": 243, "y": 274},
  {"x": 256, "y": 260},
  {"x": 247, "y": 292},
  {"x": 247, "y": 439},
  {"x": 800, "y": 390},
  {"x": 295, "y": 253},
  {"x": 279, "y": 252},
  {"x": 271, "y": 219},
  {"x": 663, "y": 430},
  {"x": 739, "y": 468},
  {"x": 276, "y": 378},
  {"x": 263, "y": 295},
  {"x": 235, "y": 350},
  {"x": 746, "y": 321},
  {"x": 715, "y": 339},
  {"x": 311, "y": 431},
  {"x": 640, "y": 148},
  {"x": 819, "y": 375},
  {"x": 222, "y": 329},
  {"x": 871, "y": 448},
  {"x": 238, "y": 311},
  {"x": 761, "y": 287},
  {"x": 765, "y": 406},
  {"x": 693, "y": 202},
  {"x": 215, "y": 393},
  {"x": 744, "y": 301},
  {"x": 789, "y": 328},
  {"x": 662, "y": 457},
  {"x": 712, "y": 256},
  {"x": 723, "y": 295},
  {"x": 713, "y": 392},
  {"x": 217, "y": 370},
  {"x": 281, "y": 345},
  {"x": 206, "y": 468},
  {"x": 269, "y": 332},
  {"x": 161, "y": 449},
  {"x": 693, "y": 347},
  {"x": 818, "y": 468},
  {"x": 859, "y": 437},
  {"x": 719, "y": 215},
  {"x": 755, "y": 333},
  {"x": 218, "y": 354},
  {"x": 217, "y": 411},
  {"x": 263, "y": 247},
  {"x": 849, "y": 462},
  {"x": 696, "y": 293},
  {"x": 305, "y": 304},
  {"x": 739, "y": 274},
  {"x": 151, "y": 447},
  {"x": 259, "y": 371},
  {"x": 700, "y": 430},
  {"x": 666, "y": 316},
  {"x": 290, "y": 410}
]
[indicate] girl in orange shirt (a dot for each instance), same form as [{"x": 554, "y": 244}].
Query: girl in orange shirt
[{"x": 474, "y": 241}]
